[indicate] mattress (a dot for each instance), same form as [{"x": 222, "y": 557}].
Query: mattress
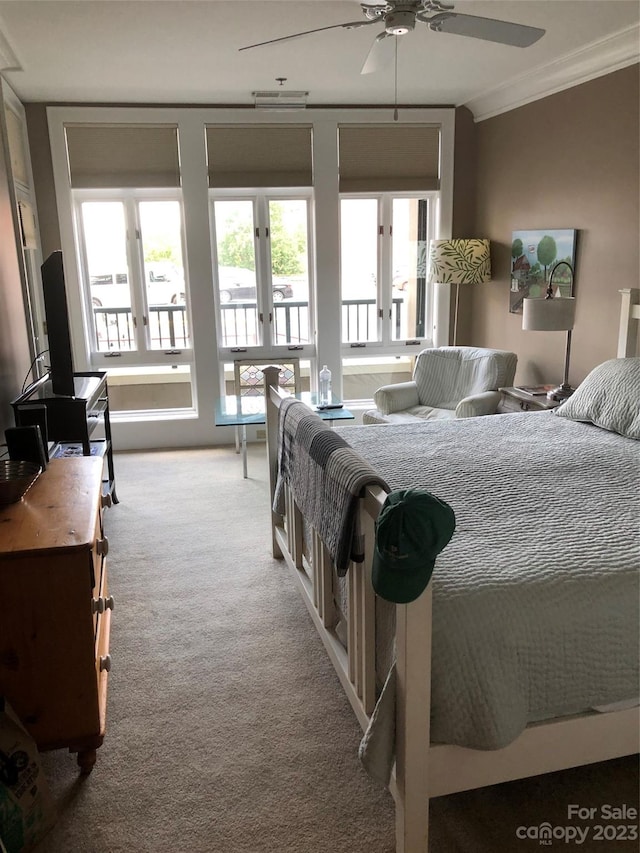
[{"x": 535, "y": 599}]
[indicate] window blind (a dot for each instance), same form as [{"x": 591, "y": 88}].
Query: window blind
[
  {"x": 389, "y": 157},
  {"x": 259, "y": 156},
  {"x": 110, "y": 155}
]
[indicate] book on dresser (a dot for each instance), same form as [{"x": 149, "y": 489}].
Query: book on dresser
[{"x": 535, "y": 390}]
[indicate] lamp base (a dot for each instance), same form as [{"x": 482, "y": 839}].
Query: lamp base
[{"x": 561, "y": 393}]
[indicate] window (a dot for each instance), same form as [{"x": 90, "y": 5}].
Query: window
[
  {"x": 389, "y": 182},
  {"x": 359, "y": 269},
  {"x": 289, "y": 267},
  {"x": 293, "y": 168},
  {"x": 125, "y": 180},
  {"x": 135, "y": 294},
  {"x": 383, "y": 251},
  {"x": 136, "y": 287},
  {"x": 386, "y": 303},
  {"x": 411, "y": 229},
  {"x": 262, "y": 271},
  {"x": 260, "y": 178}
]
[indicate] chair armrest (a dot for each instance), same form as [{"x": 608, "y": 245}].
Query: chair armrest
[
  {"x": 478, "y": 404},
  {"x": 396, "y": 398}
]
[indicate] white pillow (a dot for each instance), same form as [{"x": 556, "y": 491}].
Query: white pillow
[{"x": 609, "y": 398}]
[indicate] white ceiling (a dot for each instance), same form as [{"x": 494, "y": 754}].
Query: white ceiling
[{"x": 186, "y": 51}]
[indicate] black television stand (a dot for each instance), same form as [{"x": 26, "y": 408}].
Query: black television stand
[{"x": 72, "y": 421}]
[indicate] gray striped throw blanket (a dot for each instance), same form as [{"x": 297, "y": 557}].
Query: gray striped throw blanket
[{"x": 326, "y": 477}]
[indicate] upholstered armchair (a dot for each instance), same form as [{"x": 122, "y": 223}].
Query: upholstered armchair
[{"x": 448, "y": 382}]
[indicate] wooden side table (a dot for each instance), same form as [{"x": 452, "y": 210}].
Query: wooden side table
[{"x": 514, "y": 400}]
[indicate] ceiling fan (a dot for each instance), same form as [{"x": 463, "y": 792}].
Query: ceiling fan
[{"x": 400, "y": 17}]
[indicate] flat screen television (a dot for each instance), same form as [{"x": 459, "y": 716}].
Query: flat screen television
[{"x": 58, "y": 333}]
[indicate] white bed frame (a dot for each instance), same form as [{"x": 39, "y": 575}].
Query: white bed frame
[{"x": 424, "y": 770}]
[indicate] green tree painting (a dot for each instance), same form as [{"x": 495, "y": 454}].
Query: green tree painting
[
  {"x": 534, "y": 254},
  {"x": 547, "y": 252},
  {"x": 516, "y": 249}
]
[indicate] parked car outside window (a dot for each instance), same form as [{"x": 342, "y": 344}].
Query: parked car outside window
[
  {"x": 237, "y": 284},
  {"x": 111, "y": 290},
  {"x": 165, "y": 286}
]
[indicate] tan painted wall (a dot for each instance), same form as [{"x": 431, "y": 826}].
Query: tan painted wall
[{"x": 566, "y": 161}]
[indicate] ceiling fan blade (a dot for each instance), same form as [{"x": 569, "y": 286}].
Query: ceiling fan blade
[
  {"x": 489, "y": 29},
  {"x": 352, "y": 25},
  {"x": 380, "y": 53}
]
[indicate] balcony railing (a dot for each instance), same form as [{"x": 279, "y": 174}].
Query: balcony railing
[
  {"x": 168, "y": 325},
  {"x": 360, "y": 320},
  {"x": 240, "y": 323},
  {"x": 115, "y": 328}
]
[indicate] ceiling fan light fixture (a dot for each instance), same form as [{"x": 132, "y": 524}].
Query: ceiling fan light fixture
[{"x": 399, "y": 23}]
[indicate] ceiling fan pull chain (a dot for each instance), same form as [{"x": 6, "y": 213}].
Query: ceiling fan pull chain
[{"x": 395, "y": 110}]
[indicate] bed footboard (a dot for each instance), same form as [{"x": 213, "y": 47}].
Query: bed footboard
[
  {"x": 309, "y": 559},
  {"x": 312, "y": 568}
]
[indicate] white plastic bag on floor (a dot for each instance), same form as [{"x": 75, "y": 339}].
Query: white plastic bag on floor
[{"x": 26, "y": 809}]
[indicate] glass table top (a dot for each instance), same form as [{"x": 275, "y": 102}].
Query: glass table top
[{"x": 251, "y": 410}]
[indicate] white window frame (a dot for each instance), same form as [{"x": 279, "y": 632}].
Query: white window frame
[
  {"x": 143, "y": 355},
  {"x": 385, "y": 343},
  {"x": 150, "y": 429},
  {"x": 262, "y": 248}
]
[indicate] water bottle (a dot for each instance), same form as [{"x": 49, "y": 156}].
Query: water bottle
[{"x": 325, "y": 386}]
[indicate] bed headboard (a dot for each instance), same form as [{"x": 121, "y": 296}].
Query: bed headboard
[{"x": 629, "y": 329}]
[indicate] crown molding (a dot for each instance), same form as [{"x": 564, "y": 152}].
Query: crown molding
[{"x": 595, "y": 60}]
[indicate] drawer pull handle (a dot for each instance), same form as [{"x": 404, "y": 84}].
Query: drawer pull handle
[
  {"x": 99, "y": 605},
  {"x": 102, "y": 546},
  {"x": 105, "y": 663},
  {"x": 106, "y": 500}
]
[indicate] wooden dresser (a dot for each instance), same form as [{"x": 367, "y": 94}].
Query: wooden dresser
[{"x": 55, "y": 609}]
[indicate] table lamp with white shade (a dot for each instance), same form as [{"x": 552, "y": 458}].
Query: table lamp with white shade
[
  {"x": 553, "y": 314},
  {"x": 464, "y": 261}
]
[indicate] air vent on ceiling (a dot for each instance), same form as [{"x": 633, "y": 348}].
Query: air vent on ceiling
[{"x": 280, "y": 100}]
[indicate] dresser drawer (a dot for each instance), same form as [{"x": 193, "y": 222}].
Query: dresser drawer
[
  {"x": 99, "y": 553},
  {"x": 509, "y": 405},
  {"x": 101, "y": 604},
  {"x": 514, "y": 400},
  {"x": 103, "y": 666}
]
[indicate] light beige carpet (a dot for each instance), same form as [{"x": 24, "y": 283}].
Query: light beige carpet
[{"x": 227, "y": 729}]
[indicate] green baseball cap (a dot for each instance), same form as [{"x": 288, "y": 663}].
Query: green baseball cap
[{"x": 411, "y": 530}]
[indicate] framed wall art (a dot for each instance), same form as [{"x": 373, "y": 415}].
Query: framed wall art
[{"x": 533, "y": 255}]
